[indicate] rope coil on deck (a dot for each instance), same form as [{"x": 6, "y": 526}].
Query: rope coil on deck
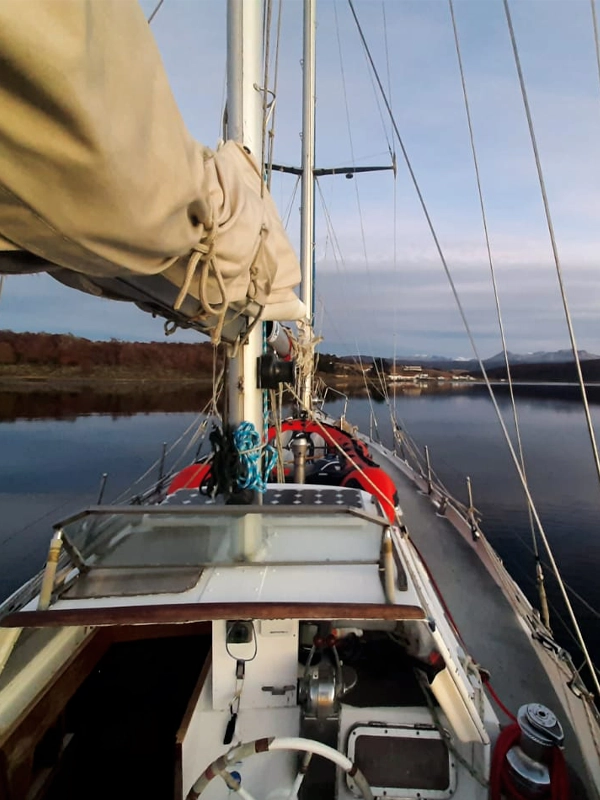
[{"x": 247, "y": 441}]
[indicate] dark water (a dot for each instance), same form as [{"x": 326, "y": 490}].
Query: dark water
[{"x": 52, "y": 466}]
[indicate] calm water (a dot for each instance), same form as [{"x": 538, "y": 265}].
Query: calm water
[{"x": 53, "y": 466}]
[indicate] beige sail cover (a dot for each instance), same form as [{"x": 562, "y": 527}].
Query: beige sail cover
[{"x": 99, "y": 175}]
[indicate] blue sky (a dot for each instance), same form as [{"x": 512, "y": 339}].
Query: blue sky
[{"x": 384, "y": 289}]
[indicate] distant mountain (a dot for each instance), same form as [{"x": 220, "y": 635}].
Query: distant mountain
[
  {"x": 471, "y": 365},
  {"x": 539, "y": 357}
]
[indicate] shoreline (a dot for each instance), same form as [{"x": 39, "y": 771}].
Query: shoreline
[{"x": 102, "y": 382}]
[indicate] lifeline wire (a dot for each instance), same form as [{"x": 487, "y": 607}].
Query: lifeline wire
[{"x": 477, "y": 355}]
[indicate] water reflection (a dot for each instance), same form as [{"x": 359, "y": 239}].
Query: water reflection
[
  {"x": 561, "y": 396},
  {"x": 54, "y": 404},
  {"x": 55, "y": 447},
  {"x": 34, "y": 401}
]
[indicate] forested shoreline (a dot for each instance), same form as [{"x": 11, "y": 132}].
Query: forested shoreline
[{"x": 47, "y": 356}]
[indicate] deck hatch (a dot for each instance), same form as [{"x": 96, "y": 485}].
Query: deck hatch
[
  {"x": 188, "y": 532},
  {"x": 402, "y": 761}
]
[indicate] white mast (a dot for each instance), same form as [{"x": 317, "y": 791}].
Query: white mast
[
  {"x": 307, "y": 213},
  {"x": 244, "y": 124}
]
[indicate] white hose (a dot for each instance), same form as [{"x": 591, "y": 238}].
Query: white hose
[
  {"x": 388, "y": 568},
  {"x": 296, "y": 786},
  {"x": 310, "y": 746},
  {"x": 284, "y": 743}
]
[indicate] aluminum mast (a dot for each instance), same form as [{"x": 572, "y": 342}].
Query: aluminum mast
[
  {"x": 307, "y": 212},
  {"x": 244, "y": 124}
]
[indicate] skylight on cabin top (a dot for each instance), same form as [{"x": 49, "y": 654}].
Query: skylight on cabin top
[{"x": 179, "y": 535}]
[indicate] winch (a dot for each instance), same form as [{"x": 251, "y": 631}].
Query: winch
[{"x": 528, "y": 762}]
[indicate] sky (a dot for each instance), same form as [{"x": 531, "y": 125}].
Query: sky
[{"x": 380, "y": 285}]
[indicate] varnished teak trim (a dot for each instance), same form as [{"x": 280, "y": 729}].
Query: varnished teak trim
[
  {"x": 185, "y": 723},
  {"x": 197, "y": 612}
]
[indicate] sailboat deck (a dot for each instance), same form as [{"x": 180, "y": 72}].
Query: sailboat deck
[{"x": 304, "y": 545}]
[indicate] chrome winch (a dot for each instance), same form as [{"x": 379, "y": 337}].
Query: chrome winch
[{"x": 529, "y": 761}]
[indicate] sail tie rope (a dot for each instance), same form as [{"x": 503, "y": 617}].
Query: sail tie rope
[
  {"x": 202, "y": 257},
  {"x": 200, "y": 252}
]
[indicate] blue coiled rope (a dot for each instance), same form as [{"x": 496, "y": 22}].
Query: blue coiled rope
[{"x": 247, "y": 443}]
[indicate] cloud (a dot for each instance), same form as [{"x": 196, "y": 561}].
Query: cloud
[
  {"x": 39, "y": 303},
  {"x": 417, "y": 310},
  {"x": 371, "y": 303}
]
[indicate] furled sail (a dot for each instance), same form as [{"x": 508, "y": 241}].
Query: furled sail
[{"x": 102, "y": 185}]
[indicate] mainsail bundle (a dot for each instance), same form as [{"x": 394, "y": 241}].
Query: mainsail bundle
[{"x": 102, "y": 186}]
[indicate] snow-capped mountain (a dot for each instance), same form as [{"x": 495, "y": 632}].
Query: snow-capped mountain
[{"x": 539, "y": 357}]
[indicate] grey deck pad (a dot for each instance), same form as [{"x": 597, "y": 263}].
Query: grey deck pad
[{"x": 484, "y": 617}]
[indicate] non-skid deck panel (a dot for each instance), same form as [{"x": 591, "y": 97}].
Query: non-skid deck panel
[{"x": 484, "y": 617}]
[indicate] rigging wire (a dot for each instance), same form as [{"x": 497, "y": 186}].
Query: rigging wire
[
  {"x": 585, "y": 603},
  {"x": 395, "y": 211},
  {"x": 209, "y": 411},
  {"x": 155, "y": 12},
  {"x": 563, "y": 294},
  {"x": 288, "y": 211},
  {"x": 380, "y": 376},
  {"x": 156, "y": 463},
  {"x": 343, "y": 453},
  {"x": 351, "y": 142},
  {"x": 271, "y": 131},
  {"x": 387, "y": 65},
  {"x": 337, "y": 259},
  {"x": 525, "y": 576},
  {"x": 336, "y": 250},
  {"x": 476, "y": 351},
  {"x": 51, "y": 512},
  {"x": 596, "y": 43},
  {"x": 336, "y": 245},
  {"x": 413, "y": 449},
  {"x": 381, "y": 117},
  {"x": 553, "y": 240},
  {"x": 540, "y": 573},
  {"x": 265, "y": 89}
]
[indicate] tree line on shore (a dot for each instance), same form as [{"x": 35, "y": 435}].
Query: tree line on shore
[{"x": 66, "y": 350}]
